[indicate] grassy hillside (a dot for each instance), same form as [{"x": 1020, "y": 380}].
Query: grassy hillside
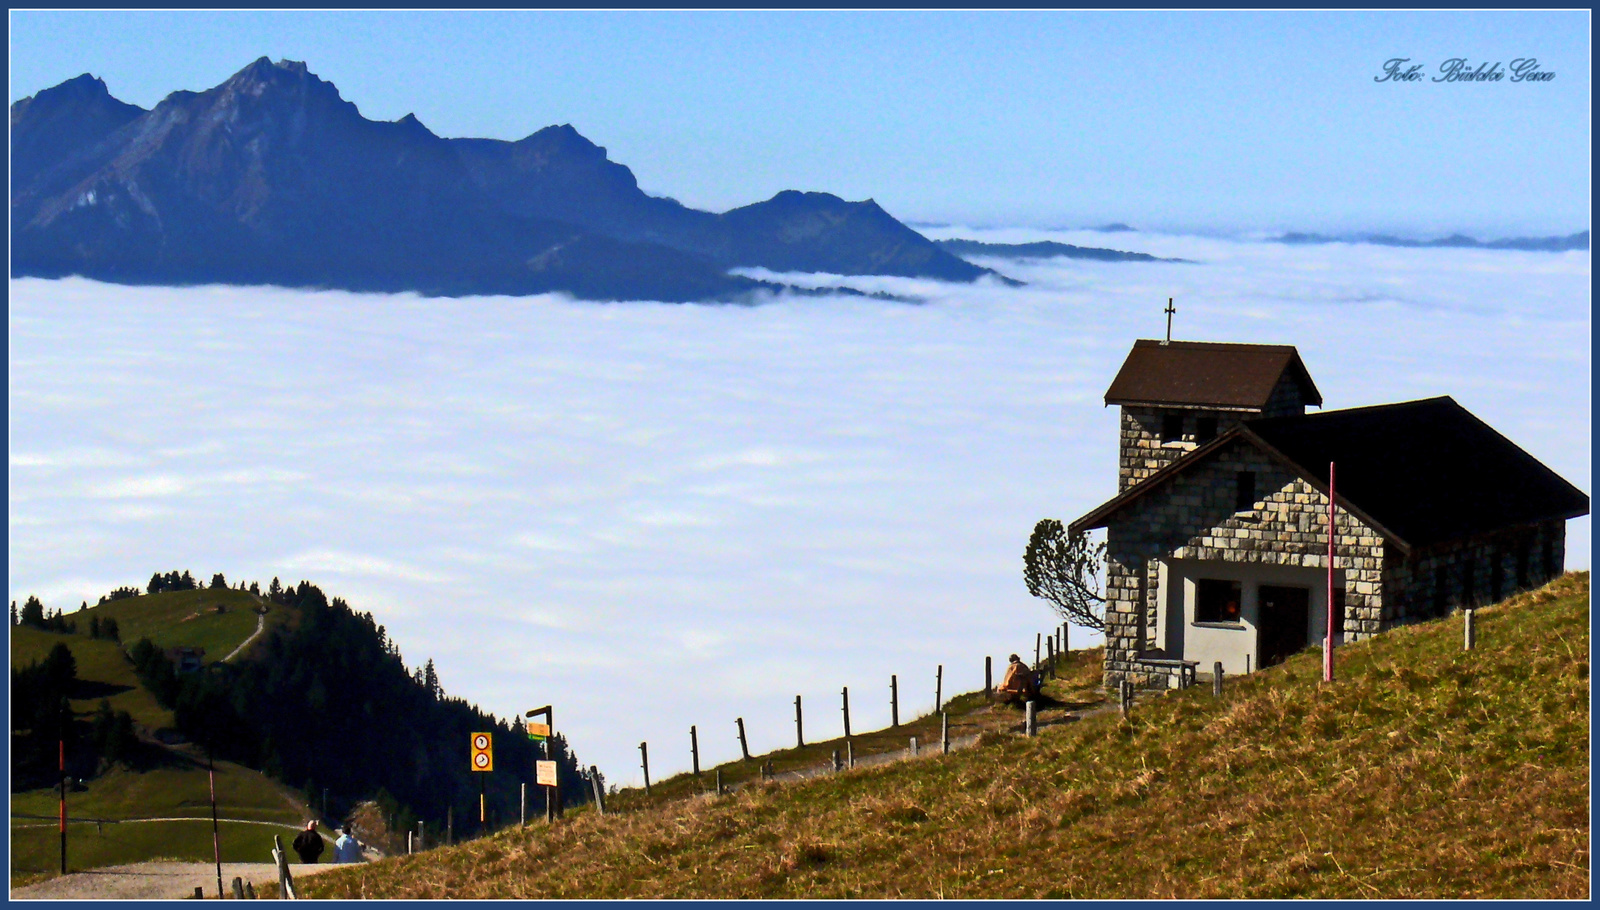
[
  {"x": 103, "y": 672},
  {"x": 177, "y": 790},
  {"x": 187, "y": 618},
  {"x": 163, "y": 783},
  {"x": 1425, "y": 771}
]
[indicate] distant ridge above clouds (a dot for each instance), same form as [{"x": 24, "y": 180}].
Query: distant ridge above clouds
[
  {"x": 273, "y": 178},
  {"x": 1043, "y": 249},
  {"x": 1578, "y": 241}
]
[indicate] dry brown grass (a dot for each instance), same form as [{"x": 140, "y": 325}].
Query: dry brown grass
[{"x": 1423, "y": 772}]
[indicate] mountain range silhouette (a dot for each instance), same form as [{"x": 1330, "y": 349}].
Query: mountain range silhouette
[{"x": 273, "y": 178}]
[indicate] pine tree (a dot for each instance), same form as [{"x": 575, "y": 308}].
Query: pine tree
[
  {"x": 217, "y": 581},
  {"x": 33, "y": 613},
  {"x": 13, "y": 612},
  {"x": 430, "y": 679},
  {"x": 157, "y": 584}
]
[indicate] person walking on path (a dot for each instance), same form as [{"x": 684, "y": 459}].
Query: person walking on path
[
  {"x": 346, "y": 849},
  {"x": 308, "y": 843}
]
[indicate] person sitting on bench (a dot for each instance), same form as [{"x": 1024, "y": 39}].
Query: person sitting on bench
[{"x": 1020, "y": 683}]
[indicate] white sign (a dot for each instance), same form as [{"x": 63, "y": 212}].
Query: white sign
[{"x": 545, "y": 773}]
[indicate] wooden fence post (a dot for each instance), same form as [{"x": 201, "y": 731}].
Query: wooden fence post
[
  {"x": 846, "y": 694},
  {"x": 1031, "y": 727},
  {"x": 1216, "y": 679},
  {"x": 644, "y": 757},
  {"x": 914, "y": 750},
  {"x": 199, "y": 893},
  {"x": 599, "y": 787},
  {"x": 849, "y": 754},
  {"x": 1066, "y": 647},
  {"x": 524, "y": 814},
  {"x": 988, "y": 678},
  {"x": 694, "y": 749},
  {"x": 938, "y": 689},
  {"x": 944, "y": 732},
  {"x": 411, "y": 848},
  {"x": 285, "y": 877},
  {"x": 1470, "y": 631},
  {"x": 1126, "y": 694},
  {"x": 744, "y": 746},
  {"x": 799, "y": 733},
  {"x": 719, "y": 782},
  {"x": 1037, "y": 638},
  {"x": 836, "y": 764},
  {"x": 238, "y": 888},
  {"x": 894, "y": 700},
  {"x": 1050, "y": 654},
  {"x": 249, "y": 891}
]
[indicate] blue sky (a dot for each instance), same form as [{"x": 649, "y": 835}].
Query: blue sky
[{"x": 1211, "y": 121}]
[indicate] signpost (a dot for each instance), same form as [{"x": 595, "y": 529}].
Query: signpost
[
  {"x": 545, "y": 769},
  {"x": 482, "y": 754},
  {"x": 544, "y": 773},
  {"x": 482, "y": 760}
]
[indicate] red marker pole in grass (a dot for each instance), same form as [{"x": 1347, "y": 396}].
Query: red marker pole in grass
[
  {"x": 216, "y": 840},
  {"x": 63, "y": 801},
  {"x": 1327, "y": 645}
]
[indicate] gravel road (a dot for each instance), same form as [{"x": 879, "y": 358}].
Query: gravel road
[{"x": 157, "y": 880}]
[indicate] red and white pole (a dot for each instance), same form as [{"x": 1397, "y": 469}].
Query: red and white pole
[
  {"x": 1327, "y": 644},
  {"x": 63, "y": 802}
]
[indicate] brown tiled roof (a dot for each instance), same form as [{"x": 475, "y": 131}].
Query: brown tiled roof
[
  {"x": 1419, "y": 472},
  {"x": 1200, "y": 374}
]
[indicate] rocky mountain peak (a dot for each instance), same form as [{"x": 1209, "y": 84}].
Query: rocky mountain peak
[
  {"x": 78, "y": 87},
  {"x": 411, "y": 123},
  {"x": 286, "y": 82}
]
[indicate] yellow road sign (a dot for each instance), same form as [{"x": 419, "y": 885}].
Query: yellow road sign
[
  {"x": 538, "y": 731},
  {"x": 482, "y": 752},
  {"x": 544, "y": 773}
]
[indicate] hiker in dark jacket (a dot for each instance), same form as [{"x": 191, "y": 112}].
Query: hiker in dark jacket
[{"x": 308, "y": 843}]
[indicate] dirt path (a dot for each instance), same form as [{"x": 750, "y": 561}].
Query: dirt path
[
  {"x": 157, "y": 881},
  {"x": 261, "y": 625},
  {"x": 180, "y": 818}
]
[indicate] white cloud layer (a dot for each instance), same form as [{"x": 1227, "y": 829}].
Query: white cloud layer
[{"x": 656, "y": 516}]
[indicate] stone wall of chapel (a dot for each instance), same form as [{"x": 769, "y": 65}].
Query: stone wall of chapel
[
  {"x": 1194, "y": 517},
  {"x": 1142, "y": 453},
  {"x": 1437, "y": 580}
]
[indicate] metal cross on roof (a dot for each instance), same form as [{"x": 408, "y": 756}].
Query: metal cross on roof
[{"x": 1169, "y": 311}]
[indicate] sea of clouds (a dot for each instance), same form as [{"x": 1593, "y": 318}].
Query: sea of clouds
[{"x": 660, "y": 515}]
